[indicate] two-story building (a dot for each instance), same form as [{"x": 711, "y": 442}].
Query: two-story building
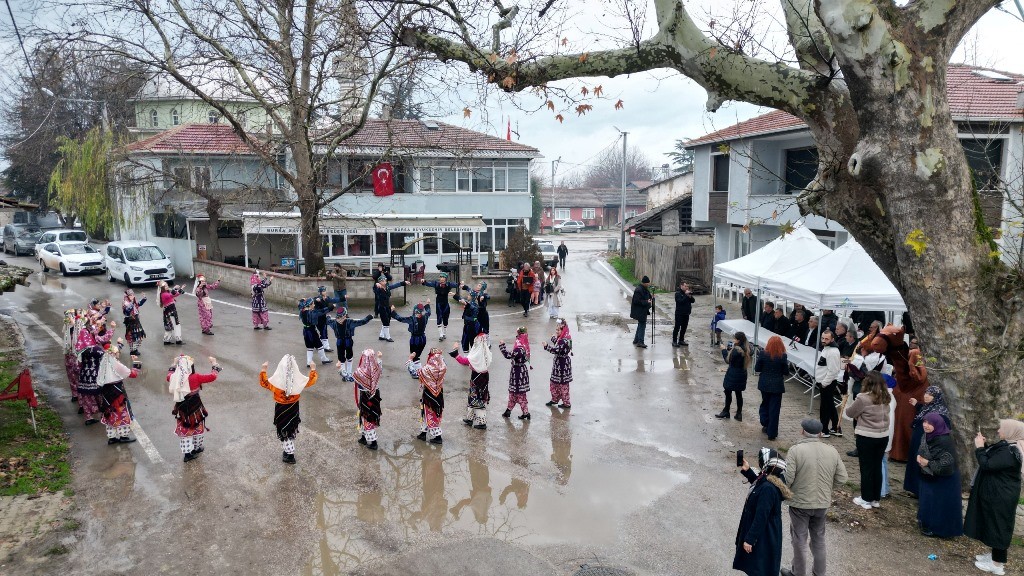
[
  {"x": 747, "y": 177},
  {"x": 597, "y": 208}
]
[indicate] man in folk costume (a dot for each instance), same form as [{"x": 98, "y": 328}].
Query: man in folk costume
[
  {"x": 382, "y": 304},
  {"x": 287, "y": 384},
  {"x": 189, "y": 412},
  {"x": 441, "y": 291},
  {"x": 74, "y": 321},
  {"x": 561, "y": 367},
  {"x": 519, "y": 375},
  {"x": 172, "y": 325},
  {"x": 113, "y": 400},
  {"x": 344, "y": 332},
  {"x": 431, "y": 376},
  {"x": 204, "y": 303},
  {"x": 479, "y": 361},
  {"x": 470, "y": 322},
  {"x": 260, "y": 313},
  {"x": 417, "y": 322},
  {"x": 322, "y": 307},
  {"x": 133, "y": 332},
  {"x": 479, "y": 295},
  {"x": 367, "y": 396},
  {"x": 310, "y": 334}
]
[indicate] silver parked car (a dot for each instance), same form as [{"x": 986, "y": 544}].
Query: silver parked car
[{"x": 20, "y": 238}]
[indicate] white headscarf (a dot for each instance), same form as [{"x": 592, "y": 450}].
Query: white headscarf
[
  {"x": 479, "y": 354},
  {"x": 179, "y": 385},
  {"x": 111, "y": 369},
  {"x": 288, "y": 376}
]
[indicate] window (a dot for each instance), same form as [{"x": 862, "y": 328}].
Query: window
[
  {"x": 154, "y": 118},
  {"x": 201, "y": 178},
  {"x": 189, "y": 178},
  {"x": 243, "y": 119},
  {"x": 801, "y": 168},
  {"x": 462, "y": 180},
  {"x": 452, "y": 242},
  {"x": 500, "y": 238},
  {"x": 426, "y": 179},
  {"x": 518, "y": 179},
  {"x": 444, "y": 179},
  {"x": 175, "y": 117},
  {"x": 589, "y": 213},
  {"x": 630, "y": 214},
  {"x": 562, "y": 214},
  {"x": 212, "y": 117},
  {"x": 720, "y": 173},
  {"x": 359, "y": 245},
  {"x": 740, "y": 243},
  {"x": 984, "y": 157},
  {"x": 169, "y": 225},
  {"x": 483, "y": 179}
]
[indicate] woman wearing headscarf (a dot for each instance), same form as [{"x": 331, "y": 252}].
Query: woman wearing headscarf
[
  {"x": 934, "y": 403},
  {"x": 74, "y": 321},
  {"x": 431, "y": 375},
  {"x": 941, "y": 506},
  {"x": 189, "y": 412},
  {"x": 89, "y": 359},
  {"x": 554, "y": 292},
  {"x": 113, "y": 400},
  {"x": 479, "y": 361},
  {"x": 367, "y": 395},
  {"x": 519, "y": 375},
  {"x": 172, "y": 326},
  {"x": 287, "y": 384},
  {"x": 992, "y": 507},
  {"x": 133, "y": 332},
  {"x": 561, "y": 366},
  {"x": 260, "y": 313},
  {"x": 773, "y": 367},
  {"x": 204, "y": 303},
  {"x": 759, "y": 536}
]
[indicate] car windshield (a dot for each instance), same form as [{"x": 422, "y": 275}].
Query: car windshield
[
  {"x": 143, "y": 254},
  {"x": 73, "y": 237},
  {"x": 30, "y": 235},
  {"x": 77, "y": 249},
  {"x": 546, "y": 246}
]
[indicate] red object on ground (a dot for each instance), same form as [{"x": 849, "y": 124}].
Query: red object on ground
[
  {"x": 383, "y": 180},
  {"x": 20, "y": 389}
]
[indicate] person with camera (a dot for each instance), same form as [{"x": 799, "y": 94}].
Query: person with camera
[
  {"x": 826, "y": 374},
  {"x": 640, "y": 307},
  {"x": 814, "y": 471},
  {"x": 759, "y": 536},
  {"x": 684, "y": 306}
]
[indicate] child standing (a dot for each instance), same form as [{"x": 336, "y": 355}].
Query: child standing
[
  {"x": 716, "y": 332},
  {"x": 344, "y": 332},
  {"x": 287, "y": 384},
  {"x": 367, "y": 394},
  {"x": 519, "y": 376}
]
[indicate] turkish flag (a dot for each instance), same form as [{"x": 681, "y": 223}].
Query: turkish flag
[{"x": 383, "y": 179}]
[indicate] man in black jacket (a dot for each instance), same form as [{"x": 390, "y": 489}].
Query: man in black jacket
[
  {"x": 640, "y": 306},
  {"x": 781, "y": 323},
  {"x": 798, "y": 327},
  {"x": 684, "y": 305},
  {"x": 749, "y": 306},
  {"x": 768, "y": 317},
  {"x": 563, "y": 251}
]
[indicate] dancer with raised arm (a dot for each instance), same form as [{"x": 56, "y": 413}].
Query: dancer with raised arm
[
  {"x": 367, "y": 377},
  {"x": 479, "y": 361},
  {"x": 561, "y": 367},
  {"x": 519, "y": 375},
  {"x": 189, "y": 412},
  {"x": 287, "y": 384}
]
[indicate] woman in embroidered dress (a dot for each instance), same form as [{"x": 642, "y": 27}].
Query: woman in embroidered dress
[
  {"x": 561, "y": 367},
  {"x": 113, "y": 400},
  {"x": 367, "y": 396},
  {"x": 172, "y": 326},
  {"x": 74, "y": 321},
  {"x": 519, "y": 376},
  {"x": 431, "y": 375},
  {"x": 133, "y": 332},
  {"x": 89, "y": 359},
  {"x": 204, "y": 303},
  {"x": 260, "y": 312},
  {"x": 479, "y": 361},
  {"x": 189, "y": 412},
  {"x": 287, "y": 383}
]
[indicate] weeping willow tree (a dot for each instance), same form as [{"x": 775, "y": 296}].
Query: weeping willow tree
[{"x": 78, "y": 183}]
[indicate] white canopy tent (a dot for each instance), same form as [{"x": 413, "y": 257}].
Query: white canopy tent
[{"x": 785, "y": 253}]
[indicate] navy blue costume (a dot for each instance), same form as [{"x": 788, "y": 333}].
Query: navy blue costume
[
  {"x": 417, "y": 330},
  {"x": 382, "y": 301},
  {"x": 441, "y": 293},
  {"x": 481, "y": 298},
  {"x": 344, "y": 331},
  {"x": 470, "y": 323}
]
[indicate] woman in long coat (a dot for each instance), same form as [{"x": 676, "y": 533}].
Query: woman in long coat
[
  {"x": 561, "y": 366},
  {"x": 773, "y": 366},
  {"x": 759, "y": 536},
  {"x": 940, "y": 507},
  {"x": 738, "y": 358},
  {"x": 554, "y": 284},
  {"x": 934, "y": 402},
  {"x": 992, "y": 507}
]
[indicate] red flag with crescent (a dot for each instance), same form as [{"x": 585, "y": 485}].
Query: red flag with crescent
[{"x": 383, "y": 180}]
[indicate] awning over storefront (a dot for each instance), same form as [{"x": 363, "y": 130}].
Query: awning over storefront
[
  {"x": 430, "y": 225},
  {"x": 288, "y": 223}
]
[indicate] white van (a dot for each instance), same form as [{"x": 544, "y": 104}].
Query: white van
[{"x": 136, "y": 262}]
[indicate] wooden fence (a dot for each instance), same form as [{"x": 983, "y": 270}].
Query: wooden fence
[{"x": 667, "y": 265}]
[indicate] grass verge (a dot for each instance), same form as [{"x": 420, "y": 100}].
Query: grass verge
[{"x": 626, "y": 269}]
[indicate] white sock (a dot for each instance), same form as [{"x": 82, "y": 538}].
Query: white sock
[
  {"x": 348, "y": 367},
  {"x": 323, "y": 355},
  {"x": 326, "y": 345},
  {"x": 309, "y": 356},
  {"x": 387, "y": 332},
  {"x": 382, "y": 327}
]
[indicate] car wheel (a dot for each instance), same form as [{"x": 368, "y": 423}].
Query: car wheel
[
  {"x": 63, "y": 270},
  {"x": 127, "y": 280},
  {"x": 110, "y": 277},
  {"x": 42, "y": 265}
]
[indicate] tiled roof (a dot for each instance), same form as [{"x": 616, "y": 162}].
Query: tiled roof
[
  {"x": 592, "y": 197},
  {"x": 193, "y": 139},
  {"x": 421, "y": 134},
  {"x": 971, "y": 96}
]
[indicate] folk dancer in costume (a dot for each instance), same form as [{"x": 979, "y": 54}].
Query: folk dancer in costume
[
  {"x": 561, "y": 367},
  {"x": 189, "y": 412},
  {"x": 99, "y": 307},
  {"x": 344, "y": 332},
  {"x": 470, "y": 322},
  {"x": 382, "y": 304},
  {"x": 417, "y": 322},
  {"x": 74, "y": 322},
  {"x": 479, "y": 294},
  {"x": 323, "y": 304},
  {"x": 441, "y": 291},
  {"x": 89, "y": 359},
  {"x": 367, "y": 396},
  {"x": 431, "y": 375},
  {"x": 260, "y": 313},
  {"x": 172, "y": 325},
  {"x": 287, "y": 383},
  {"x": 133, "y": 332},
  {"x": 554, "y": 292},
  {"x": 310, "y": 334},
  {"x": 113, "y": 400},
  {"x": 479, "y": 361},
  {"x": 519, "y": 376},
  {"x": 204, "y": 303}
]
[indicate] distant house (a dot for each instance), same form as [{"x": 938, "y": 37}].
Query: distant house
[
  {"x": 747, "y": 177},
  {"x": 668, "y": 189},
  {"x": 596, "y": 207}
]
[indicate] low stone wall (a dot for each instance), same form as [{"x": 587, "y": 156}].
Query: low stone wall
[{"x": 286, "y": 289}]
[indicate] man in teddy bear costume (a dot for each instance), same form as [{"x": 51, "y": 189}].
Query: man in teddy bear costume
[{"x": 890, "y": 343}]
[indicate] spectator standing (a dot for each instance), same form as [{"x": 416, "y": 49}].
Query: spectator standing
[
  {"x": 940, "y": 507},
  {"x": 563, "y": 251},
  {"x": 737, "y": 356},
  {"x": 639, "y": 308},
  {"x": 759, "y": 536},
  {"x": 339, "y": 282},
  {"x": 802, "y": 309},
  {"x": 524, "y": 286},
  {"x": 773, "y": 368},
  {"x": 933, "y": 401},
  {"x": 871, "y": 409},
  {"x": 992, "y": 507},
  {"x": 826, "y": 374},
  {"x": 814, "y": 470},
  {"x": 748, "y": 306},
  {"x": 684, "y": 306}
]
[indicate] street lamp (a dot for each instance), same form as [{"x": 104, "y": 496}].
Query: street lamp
[{"x": 103, "y": 105}]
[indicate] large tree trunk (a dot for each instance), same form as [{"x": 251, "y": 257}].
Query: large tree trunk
[
  {"x": 213, "y": 207},
  {"x": 312, "y": 241}
]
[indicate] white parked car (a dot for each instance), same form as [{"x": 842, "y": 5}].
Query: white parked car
[
  {"x": 548, "y": 252},
  {"x": 136, "y": 262},
  {"x": 69, "y": 258},
  {"x": 570, "y": 226},
  {"x": 58, "y": 236}
]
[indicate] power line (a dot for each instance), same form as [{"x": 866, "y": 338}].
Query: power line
[{"x": 21, "y": 43}]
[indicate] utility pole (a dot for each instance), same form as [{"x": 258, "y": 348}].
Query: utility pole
[
  {"x": 553, "y": 164},
  {"x": 622, "y": 207}
]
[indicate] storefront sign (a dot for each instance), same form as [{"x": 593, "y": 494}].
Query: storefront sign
[{"x": 432, "y": 229}]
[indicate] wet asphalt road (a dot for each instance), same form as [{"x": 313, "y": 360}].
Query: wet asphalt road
[{"x": 637, "y": 475}]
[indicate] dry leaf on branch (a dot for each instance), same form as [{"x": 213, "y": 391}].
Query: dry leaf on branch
[
  {"x": 551, "y": 105},
  {"x": 583, "y": 109},
  {"x": 584, "y": 91},
  {"x": 492, "y": 57},
  {"x": 565, "y": 41},
  {"x": 560, "y": 118},
  {"x": 466, "y": 112},
  {"x": 619, "y": 105},
  {"x": 511, "y": 58},
  {"x": 598, "y": 90},
  {"x": 583, "y": 57},
  {"x": 508, "y": 82}
]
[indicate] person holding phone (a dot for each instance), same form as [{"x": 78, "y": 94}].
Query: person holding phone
[
  {"x": 759, "y": 536},
  {"x": 991, "y": 509}
]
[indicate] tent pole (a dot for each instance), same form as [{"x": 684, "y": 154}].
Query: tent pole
[
  {"x": 814, "y": 367},
  {"x": 714, "y": 300},
  {"x": 757, "y": 321}
]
